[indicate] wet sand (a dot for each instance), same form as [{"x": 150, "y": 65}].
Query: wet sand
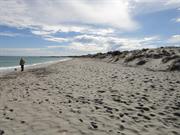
[{"x": 90, "y": 97}]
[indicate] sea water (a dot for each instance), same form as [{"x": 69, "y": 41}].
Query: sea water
[{"x": 12, "y": 62}]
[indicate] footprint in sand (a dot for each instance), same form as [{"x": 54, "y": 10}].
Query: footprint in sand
[
  {"x": 1, "y": 132},
  {"x": 94, "y": 125}
]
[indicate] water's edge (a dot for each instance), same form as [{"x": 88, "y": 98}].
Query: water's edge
[{"x": 6, "y": 70}]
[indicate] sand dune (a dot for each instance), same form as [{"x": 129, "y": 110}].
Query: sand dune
[
  {"x": 158, "y": 59},
  {"x": 90, "y": 97}
]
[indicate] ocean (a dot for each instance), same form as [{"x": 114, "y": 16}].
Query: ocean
[{"x": 12, "y": 62}]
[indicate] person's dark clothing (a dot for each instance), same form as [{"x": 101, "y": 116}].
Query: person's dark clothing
[
  {"x": 22, "y": 62},
  {"x": 22, "y": 67}
]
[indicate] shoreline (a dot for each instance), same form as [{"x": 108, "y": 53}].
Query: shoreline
[{"x": 4, "y": 71}]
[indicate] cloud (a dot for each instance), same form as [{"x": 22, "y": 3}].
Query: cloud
[
  {"x": 174, "y": 39},
  {"x": 149, "y": 6},
  {"x": 173, "y": 2},
  {"x": 178, "y": 20},
  {"x": 44, "y": 17},
  {"x": 34, "y": 52},
  {"x": 48, "y": 17},
  {"x": 23, "y": 13},
  {"x": 56, "y": 39},
  {"x": 99, "y": 24},
  {"x": 23, "y": 51},
  {"x": 62, "y": 15},
  {"x": 10, "y": 34},
  {"x": 94, "y": 44},
  {"x": 49, "y": 51},
  {"x": 89, "y": 47}
]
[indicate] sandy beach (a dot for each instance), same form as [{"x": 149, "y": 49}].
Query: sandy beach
[{"x": 90, "y": 97}]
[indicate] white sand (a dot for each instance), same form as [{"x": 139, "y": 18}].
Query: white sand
[{"x": 83, "y": 96}]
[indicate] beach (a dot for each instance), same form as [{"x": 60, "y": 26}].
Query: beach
[{"x": 86, "y": 96}]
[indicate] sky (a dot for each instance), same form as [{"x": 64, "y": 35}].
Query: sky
[{"x": 77, "y": 27}]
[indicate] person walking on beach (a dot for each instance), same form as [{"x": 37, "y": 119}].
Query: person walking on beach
[{"x": 21, "y": 63}]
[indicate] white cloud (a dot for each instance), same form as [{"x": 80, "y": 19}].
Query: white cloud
[
  {"x": 34, "y": 52},
  {"x": 150, "y": 6},
  {"x": 97, "y": 22},
  {"x": 23, "y": 51},
  {"x": 174, "y": 39},
  {"x": 94, "y": 44},
  {"x": 151, "y": 38},
  {"x": 178, "y": 20},
  {"x": 56, "y": 39},
  {"x": 49, "y": 51},
  {"x": 56, "y": 46},
  {"x": 41, "y": 32},
  {"x": 24, "y": 13},
  {"x": 63, "y": 15},
  {"x": 173, "y": 2},
  {"x": 10, "y": 34},
  {"x": 47, "y": 17},
  {"x": 90, "y": 47}
]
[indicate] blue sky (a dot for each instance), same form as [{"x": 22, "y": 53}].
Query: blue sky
[{"x": 75, "y": 27}]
